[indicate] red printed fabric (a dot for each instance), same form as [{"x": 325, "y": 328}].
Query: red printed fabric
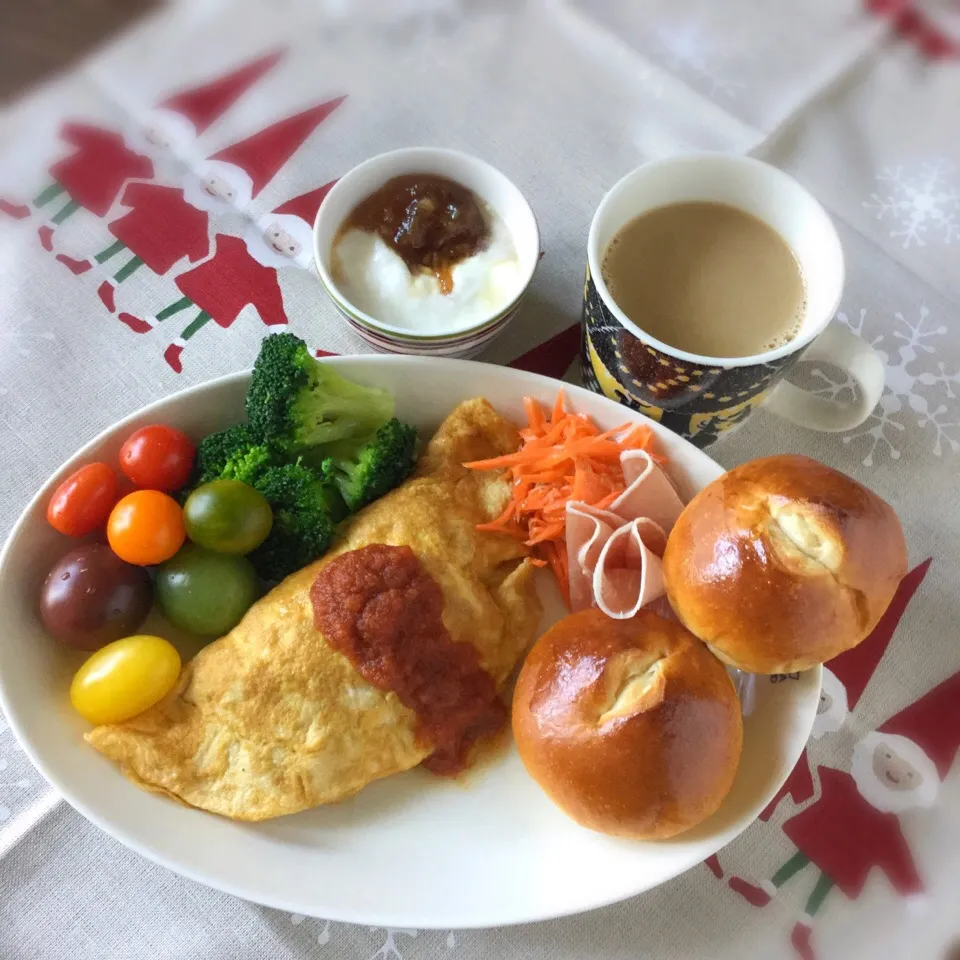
[
  {"x": 846, "y": 837},
  {"x": 112, "y": 275},
  {"x": 916, "y": 22},
  {"x": 231, "y": 280},
  {"x": 162, "y": 228},
  {"x": 798, "y": 786},
  {"x": 95, "y": 173}
]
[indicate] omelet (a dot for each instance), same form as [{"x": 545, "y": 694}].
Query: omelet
[{"x": 271, "y": 719}]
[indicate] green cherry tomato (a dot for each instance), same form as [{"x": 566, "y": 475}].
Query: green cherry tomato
[
  {"x": 205, "y": 593},
  {"x": 227, "y": 516},
  {"x": 124, "y": 678}
]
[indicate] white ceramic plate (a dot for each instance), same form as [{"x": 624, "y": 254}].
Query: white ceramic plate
[{"x": 412, "y": 850}]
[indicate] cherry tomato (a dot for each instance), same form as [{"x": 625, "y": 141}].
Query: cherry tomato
[
  {"x": 206, "y": 593},
  {"x": 158, "y": 458},
  {"x": 83, "y": 501},
  {"x": 146, "y": 527},
  {"x": 227, "y": 516},
  {"x": 125, "y": 678},
  {"x": 91, "y": 597}
]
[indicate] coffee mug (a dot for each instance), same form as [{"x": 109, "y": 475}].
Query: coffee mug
[{"x": 700, "y": 397}]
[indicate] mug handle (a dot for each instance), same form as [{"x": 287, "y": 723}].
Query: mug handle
[{"x": 841, "y": 348}]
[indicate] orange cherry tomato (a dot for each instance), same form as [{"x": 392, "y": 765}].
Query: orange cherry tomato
[
  {"x": 158, "y": 458},
  {"x": 146, "y": 527},
  {"x": 83, "y": 501}
]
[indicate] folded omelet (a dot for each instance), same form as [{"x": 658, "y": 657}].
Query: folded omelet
[{"x": 271, "y": 719}]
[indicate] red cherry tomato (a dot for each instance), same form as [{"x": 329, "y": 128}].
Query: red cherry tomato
[
  {"x": 146, "y": 527},
  {"x": 83, "y": 501},
  {"x": 158, "y": 458}
]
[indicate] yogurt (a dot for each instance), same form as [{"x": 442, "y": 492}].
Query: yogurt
[
  {"x": 426, "y": 255},
  {"x": 375, "y": 280}
]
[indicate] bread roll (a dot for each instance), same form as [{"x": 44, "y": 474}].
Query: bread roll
[
  {"x": 783, "y": 563},
  {"x": 631, "y": 727}
]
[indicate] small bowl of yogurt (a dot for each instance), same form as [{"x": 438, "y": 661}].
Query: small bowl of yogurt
[{"x": 426, "y": 251}]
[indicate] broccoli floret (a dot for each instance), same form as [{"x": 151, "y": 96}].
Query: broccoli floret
[
  {"x": 248, "y": 463},
  {"x": 215, "y": 450},
  {"x": 233, "y": 452},
  {"x": 306, "y": 509},
  {"x": 296, "y": 402},
  {"x": 376, "y": 467}
]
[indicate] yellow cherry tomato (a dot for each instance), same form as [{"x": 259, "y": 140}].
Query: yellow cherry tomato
[{"x": 125, "y": 678}]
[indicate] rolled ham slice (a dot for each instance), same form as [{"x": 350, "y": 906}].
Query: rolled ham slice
[
  {"x": 649, "y": 492},
  {"x": 629, "y": 573},
  {"x": 614, "y": 554}
]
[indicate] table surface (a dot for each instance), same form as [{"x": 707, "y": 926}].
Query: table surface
[
  {"x": 857, "y": 100},
  {"x": 44, "y": 36}
]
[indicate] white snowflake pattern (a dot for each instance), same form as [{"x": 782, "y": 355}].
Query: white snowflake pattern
[
  {"x": 692, "y": 46},
  {"x": 881, "y": 423},
  {"x": 855, "y": 326},
  {"x": 842, "y": 389},
  {"x": 404, "y": 17},
  {"x": 936, "y": 410},
  {"x": 922, "y": 203},
  {"x": 389, "y": 951},
  {"x": 651, "y": 78},
  {"x": 323, "y": 937},
  {"x": 837, "y": 384}
]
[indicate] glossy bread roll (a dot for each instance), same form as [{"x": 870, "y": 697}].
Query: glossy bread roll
[
  {"x": 783, "y": 563},
  {"x": 631, "y": 727}
]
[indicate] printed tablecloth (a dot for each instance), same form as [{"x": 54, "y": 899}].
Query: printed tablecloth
[{"x": 133, "y": 197}]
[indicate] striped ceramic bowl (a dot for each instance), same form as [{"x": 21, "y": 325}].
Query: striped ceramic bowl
[{"x": 487, "y": 183}]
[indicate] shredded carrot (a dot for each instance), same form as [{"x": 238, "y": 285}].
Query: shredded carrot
[
  {"x": 607, "y": 500},
  {"x": 534, "y": 414},
  {"x": 558, "y": 405},
  {"x": 557, "y": 559},
  {"x": 563, "y": 458}
]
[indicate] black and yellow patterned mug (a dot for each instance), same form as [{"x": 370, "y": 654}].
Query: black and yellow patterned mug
[{"x": 700, "y": 397}]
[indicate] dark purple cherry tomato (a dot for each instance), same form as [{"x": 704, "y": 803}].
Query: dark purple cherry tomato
[{"x": 91, "y": 597}]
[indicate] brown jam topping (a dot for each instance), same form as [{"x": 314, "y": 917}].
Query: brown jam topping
[
  {"x": 380, "y": 608},
  {"x": 430, "y": 222}
]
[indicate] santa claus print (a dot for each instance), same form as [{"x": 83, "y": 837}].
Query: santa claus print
[
  {"x": 932, "y": 26},
  {"x": 242, "y": 273},
  {"x": 798, "y": 787},
  {"x": 176, "y": 123},
  {"x": 845, "y": 678},
  {"x": 712, "y": 863},
  {"x": 92, "y": 176},
  {"x": 853, "y": 828},
  {"x": 236, "y": 174},
  {"x": 89, "y": 178},
  {"x": 166, "y": 224}
]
